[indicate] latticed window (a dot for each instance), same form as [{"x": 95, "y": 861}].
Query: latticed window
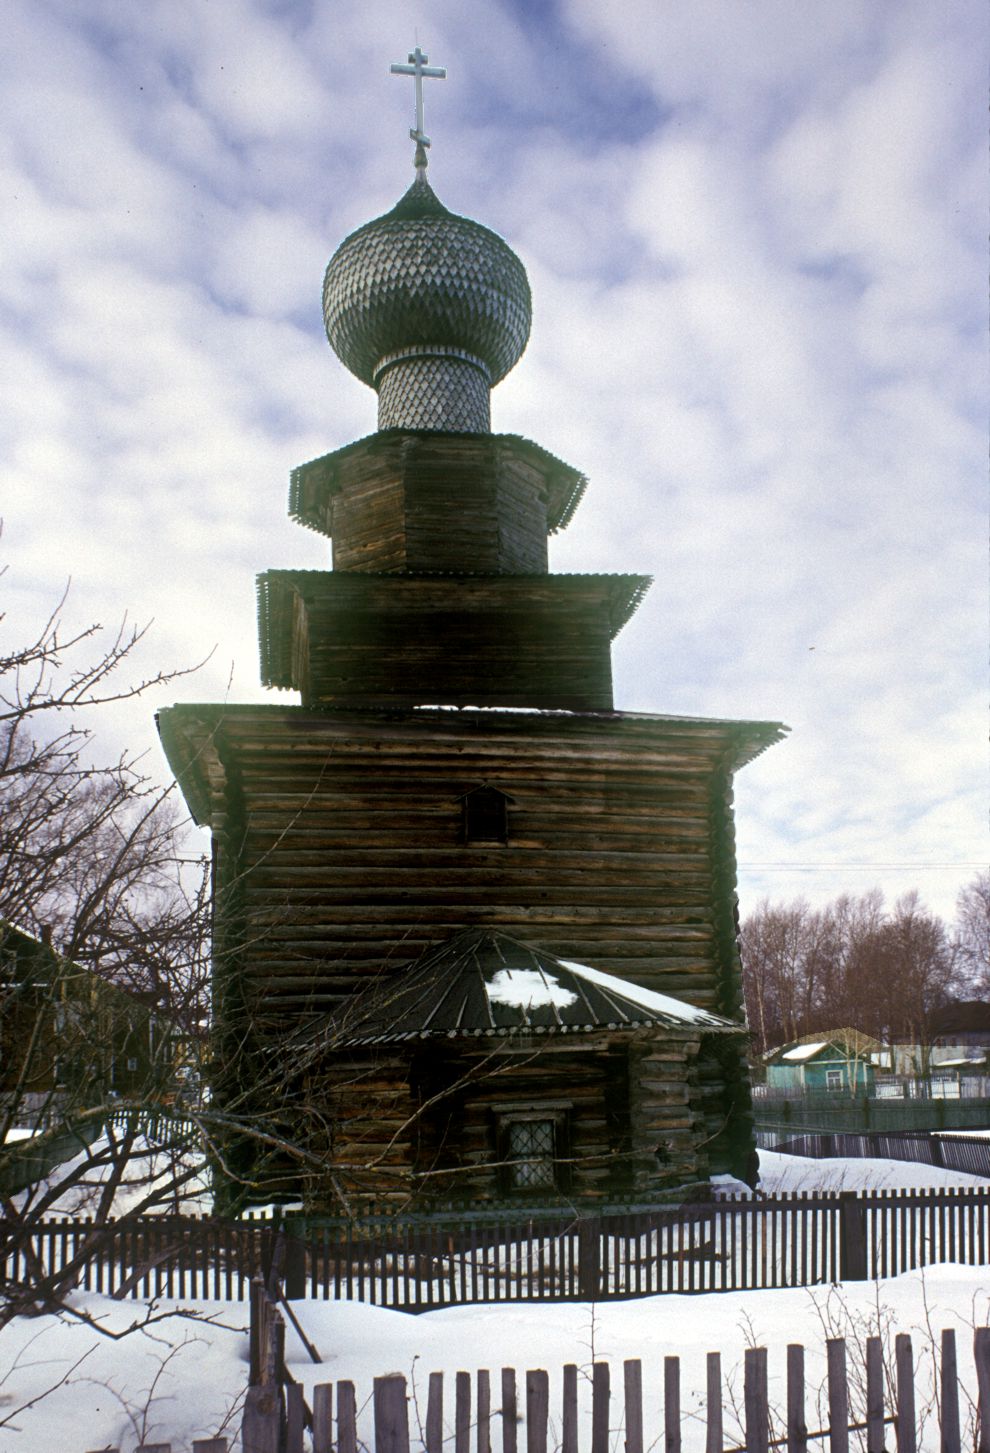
[{"x": 531, "y": 1146}]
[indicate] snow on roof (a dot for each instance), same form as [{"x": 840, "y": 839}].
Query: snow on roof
[
  {"x": 528, "y": 989},
  {"x": 648, "y": 998},
  {"x": 804, "y": 1051}
]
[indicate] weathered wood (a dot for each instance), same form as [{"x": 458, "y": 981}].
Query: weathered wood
[
  {"x": 600, "y": 1399},
  {"x": 510, "y": 1412},
  {"x": 875, "y": 1433},
  {"x": 838, "y": 1396},
  {"x": 950, "y": 1439},
  {"x": 632, "y": 1370},
  {"x": 391, "y": 1415},
  {"x": 261, "y": 1420},
  {"x": 462, "y": 1413},
  {"x": 295, "y": 1418},
  {"x": 907, "y": 1433},
  {"x": 797, "y": 1427},
  {"x": 672, "y": 1405},
  {"x": 713, "y": 1403},
  {"x": 483, "y": 1441},
  {"x": 434, "y": 1414},
  {"x": 852, "y": 1238},
  {"x": 537, "y": 1410},
  {"x": 323, "y": 1417},
  {"x": 981, "y": 1354},
  {"x": 756, "y": 1400},
  {"x": 569, "y": 1412},
  {"x": 210, "y": 1445},
  {"x": 347, "y": 1440}
]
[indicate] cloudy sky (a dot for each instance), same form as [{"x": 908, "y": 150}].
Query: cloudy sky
[{"x": 755, "y": 232}]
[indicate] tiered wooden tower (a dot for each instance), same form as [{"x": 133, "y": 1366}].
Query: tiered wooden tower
[{"x": 456, "y": 796}]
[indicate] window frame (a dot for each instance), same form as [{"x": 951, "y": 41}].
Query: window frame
[{"x": 553, "y": 1113}]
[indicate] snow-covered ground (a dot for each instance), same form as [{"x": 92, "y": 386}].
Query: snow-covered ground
[
  {"x": 183, "y": 1376},
  {"x": 149, "y": 1171},
  {"x": 796, "y": 1173}
]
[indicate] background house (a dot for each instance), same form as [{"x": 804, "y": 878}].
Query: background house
[
  {"x": 829, "y": 1061},
  {"x": 66, "y": 1034}
]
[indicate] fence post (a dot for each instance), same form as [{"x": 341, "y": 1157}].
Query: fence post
[
  {"x": 589, "y": 1258},
  {"x": 434, "y": 1414},
  {"x": 756, "y": 1400},
  {"x": 838, "y": 1396},
  {"x": 568, "y": 1432},
  {"x": 261, "y": 1423},
  {"x": 295, "y": 1418},
  {"x": 510, "y": 1411},
  {"x": 672, "y": 1404},
  {"x": 483, "y": 1441},
  {"x": 462, "y": 1412},
  {"x": 981, "y": 1352},
  {"x": 537, "y": 1410},
  {"x": 295, "y": 1268},
  {"x": 874, "y": 1396},
  {"x": 601, "y": 1392},
  {"x": 852, "y": 1237},
  {"x": 797, "y": 1428},
  {"x": 713, "y": 1377},
  {"x": 391, "y": 1422},
  {"x": 950, "y": 1442},
  {"x": 907, "y": 1437},
  {"x": 632, "y": 1373},
  {"x": 346, "y": 1418},
  {"x": 323, "y": 1417}
]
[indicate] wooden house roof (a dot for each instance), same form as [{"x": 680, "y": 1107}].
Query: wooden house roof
[
  {"x": 847, "y": 1040},
  {"x": 482, "y": 983}
]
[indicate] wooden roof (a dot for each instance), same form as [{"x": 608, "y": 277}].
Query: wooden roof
[
  {"x": 312, "y": 485},
  {"x": 198, "y": 739},
  {"x": 482, "y": 983}
]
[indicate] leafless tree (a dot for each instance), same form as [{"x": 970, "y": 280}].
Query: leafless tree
[
  {"x": 972, "y": 933},
  {"x": 103, "y": 950},
  {"x": 852, "y": 964}
]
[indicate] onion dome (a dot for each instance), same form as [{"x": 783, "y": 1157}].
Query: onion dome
[{"x": 430, "y": 309}]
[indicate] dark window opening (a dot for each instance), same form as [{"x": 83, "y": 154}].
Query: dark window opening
[{"x": 485, "y": 816}]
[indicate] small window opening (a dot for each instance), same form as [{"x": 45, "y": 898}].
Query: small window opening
[
  {"x": 485, "y": 816},
  {"x": 833, "y": 1079}
]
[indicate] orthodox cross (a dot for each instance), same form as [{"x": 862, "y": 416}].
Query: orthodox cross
[{"x": 417, "y": 67}]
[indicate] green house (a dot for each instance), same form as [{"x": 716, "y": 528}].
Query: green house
[{"x": 838, "y": 1061}]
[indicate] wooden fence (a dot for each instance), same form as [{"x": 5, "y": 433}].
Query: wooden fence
[
  {"x": 967, "y": 1153},
  {"x": 729, "y": 1245},
  {"x": 277, "y": 1411}
]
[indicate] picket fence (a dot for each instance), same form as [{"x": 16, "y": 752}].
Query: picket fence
[
  {"x": 277, "y": 1413},
  {"x": 735, "y": 1244}
]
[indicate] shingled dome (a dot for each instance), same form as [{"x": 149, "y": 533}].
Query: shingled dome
[{"x": 421, "y": 286}]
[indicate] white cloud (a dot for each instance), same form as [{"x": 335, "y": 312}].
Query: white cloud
[{"x": 758, "y": 326}]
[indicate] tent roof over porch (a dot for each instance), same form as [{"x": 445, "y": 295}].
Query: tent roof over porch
[{"x": 482, "y": 983}]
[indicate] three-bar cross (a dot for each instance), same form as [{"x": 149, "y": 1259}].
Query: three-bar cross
[{"x": 417, "y": 67}]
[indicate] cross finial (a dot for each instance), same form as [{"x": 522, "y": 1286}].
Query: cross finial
[{"x": 417, "y": 67}]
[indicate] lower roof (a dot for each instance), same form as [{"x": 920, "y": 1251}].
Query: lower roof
[{"x": 485, "y": 984}]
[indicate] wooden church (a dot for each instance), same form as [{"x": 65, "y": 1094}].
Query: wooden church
[{"x": 475, "y": 933}]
